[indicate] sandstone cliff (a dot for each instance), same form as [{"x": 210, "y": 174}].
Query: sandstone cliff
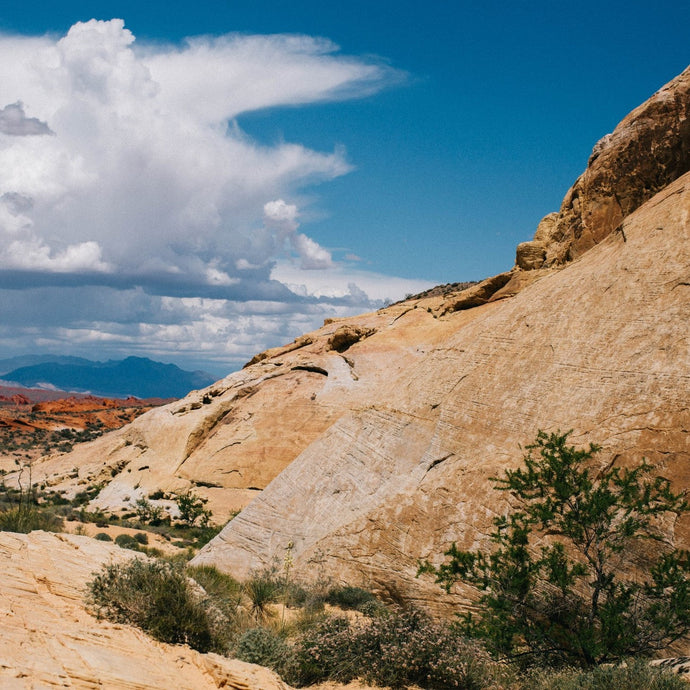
[{"x": 600, "y": 347}]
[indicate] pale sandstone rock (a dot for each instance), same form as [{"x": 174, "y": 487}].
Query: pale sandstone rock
[
  {"x": 530, "y": 255},
  {"x": 476, "y": 295},
  {"x": 229, "y": 441},
  {"x": 395, "y": 438},
  {"x": 546, "y": 228},
  {"x": 49, "y": 640},
  {"x": 601, "y": 346}
]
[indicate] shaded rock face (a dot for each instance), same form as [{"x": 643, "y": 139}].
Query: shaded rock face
[
  {"x": 648, "y": 150},
  {"x": 50, "y": 640},
  {"x": 347, "y": 335}
]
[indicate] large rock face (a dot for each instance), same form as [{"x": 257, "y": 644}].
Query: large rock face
[
  {"x": 601, "y": 347},
  {"x": 49, "y": 640},
  {"x": 374, "y": 438}
]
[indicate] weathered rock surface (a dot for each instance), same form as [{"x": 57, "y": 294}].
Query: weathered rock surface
[
  {"x": 229, "y": 441},
  {"x": 347, "y": 335},
  {"x": 601, "y": 346},
  {"x": 49, "y": 640},
  {"x": 648, "y": 150},
  {"x": 380, "y": 454}
]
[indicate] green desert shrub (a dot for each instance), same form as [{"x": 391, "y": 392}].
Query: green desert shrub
[
  {"x": 581, "y": 571},
  {"x": 223, "y": 590},
  {"x": 127, "y": 541},
  {"x": 27, "y": 517},
  {"x": 349, "y": 598},
  {"x": 397, "y": 651},
  {"x": 214, "y": 581},
  {"x": 264, "y": 647},
  {"x": 102, "y": 536},
  {"x": 634, "y": 675},
  {"x": 192, "y": 509},
  {"x": 325, "y": 652},
  {"x": 158, "y": 598},
  {"x": 262, "y": 590},
  {"x": 308, "y": 597},
  {"x": 148, "y": 512}
]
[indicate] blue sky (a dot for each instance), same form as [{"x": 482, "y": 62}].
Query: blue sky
[{"x": 423, "y": 151}]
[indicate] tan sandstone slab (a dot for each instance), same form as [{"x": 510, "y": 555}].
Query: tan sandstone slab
[{"x": 49, "y": 640}]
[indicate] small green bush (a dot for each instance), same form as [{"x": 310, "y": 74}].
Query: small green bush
[
  {"x": 102, "y": 536},
  {"x": 575, "y": 575},
  {"x": 158, "y": 598},
  {"x": 26, "y": 517},
  {"x": 325, "y": 652},
  {"x": 203, "y": 535},
  {"x": 141, "y": 538},
  {"x": 635, "y": 675},
  {"x": 348, "y": 597},
  {"x": 192, "y": 508},
  {"x": 395, "y": 651},
  {"x": 214, "y": 581},
  {"x": 262, "y": 646},
  {"x": 225, "y": 591},
  {"x": 127, "y": 541},
  {"x": 310, "y": 598},
  {"x": 148, "y": 512},
  {"x": 261, "y": 590}
]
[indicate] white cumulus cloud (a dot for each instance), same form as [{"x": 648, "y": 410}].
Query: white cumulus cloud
[
  {"x": 135, "y": 214},
  {"x": 146, "y": 161}
]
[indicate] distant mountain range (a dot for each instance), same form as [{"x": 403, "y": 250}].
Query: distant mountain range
[{"x": 137, "y": 376}]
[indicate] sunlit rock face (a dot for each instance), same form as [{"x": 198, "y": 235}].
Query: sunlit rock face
[
  {"x": 648, "y": 150},
  {"x": 600, "y": 347},
  {"x": 443, "y": 394},
  {"x": 370, "y": 443}
]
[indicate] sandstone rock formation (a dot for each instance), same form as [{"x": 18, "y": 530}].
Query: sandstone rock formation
[
  {"x": 601, "y": 347},
  {"x": 49, "y": 640},
  {"x": 380, "y": 454},
  {"x": 649, "y": 149}
]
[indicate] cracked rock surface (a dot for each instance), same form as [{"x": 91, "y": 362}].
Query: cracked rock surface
[{"x": 369, "y": 458}]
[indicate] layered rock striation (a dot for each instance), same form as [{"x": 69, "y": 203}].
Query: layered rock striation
[{"x": 601, "y": 347}]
